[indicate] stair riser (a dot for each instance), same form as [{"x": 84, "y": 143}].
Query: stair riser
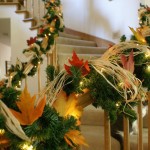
[
  {"x": 79, "y": 49},
  {"x": 69, "y": 41}
]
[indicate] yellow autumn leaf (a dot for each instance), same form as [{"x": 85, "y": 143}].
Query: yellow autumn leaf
[
  {"x": 67, "y": 105},
  {"x": 138, "y": 35},
  {"x": 28, "y": 111},
  {"x": 75, "y": 137},
  {"x": 45, "y": 42}
]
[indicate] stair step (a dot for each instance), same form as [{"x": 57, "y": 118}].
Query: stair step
[
  {"x": 61, "y": 48},
  {"x": 35, "y": 27},
  {"x": 62, "y": 34},
  {"x": 70, "y": 41},
  {"x": 28, "y": 19},
  {"x": 33, "y": 21},
  {"x": 23, "y": 11},
  {"x": 11, "y": 3}
]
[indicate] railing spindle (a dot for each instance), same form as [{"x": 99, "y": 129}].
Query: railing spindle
[
  {"x": 140, "y": 127},
  {"x": 126, "y": 134},
  {"x": 39, "y": 11},
  {"x": 149, "y": 122},
  {"x": 25, "y": 4},
  {"x": 39, "y": 77},
  {"x": 32, "y": 8},
  {"x": 107, "y": 131}
]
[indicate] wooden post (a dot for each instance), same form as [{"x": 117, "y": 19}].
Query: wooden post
[
  {"x": 126, "y": 134},
  {"x": 51, "y": 59},
  {"x": 39, "y": 78},
  {"x": 140, "y": 127},
  {"x": 149, "y": 123},
  {"x": 107, "y": 131}
]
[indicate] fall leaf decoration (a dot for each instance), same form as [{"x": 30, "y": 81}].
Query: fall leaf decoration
[
  {"x": 138, "y": 35},
  {"x": 75, "y": 137},
  {"x": 67, "y": 105},
  {"x": 45, "y": 42},
  {"x": 128, "y": 64},
  {"x": 76, "y": 62},
  {"x": 31, "y": 41},
  {"x": 28, "y": 111}
]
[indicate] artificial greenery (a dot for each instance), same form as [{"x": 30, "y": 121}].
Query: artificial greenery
[
  {"x": 123, "y": 38},
  {"x": 10, "y": 96},
  {"x": 51, "y": 72},
  {"x": 47, "y": 132},
  {"x": 2, "y": 121}
]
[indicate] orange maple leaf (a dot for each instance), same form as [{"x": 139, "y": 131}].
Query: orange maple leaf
[
  {"x": 28, "y": 111},
  {"x": 75, "y": 137}
]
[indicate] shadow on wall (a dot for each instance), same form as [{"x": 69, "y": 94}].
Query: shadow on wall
[{"x": 101, "y": 20}]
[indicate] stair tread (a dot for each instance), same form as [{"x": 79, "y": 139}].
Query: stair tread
[
  {"x": 79, "y": 42},
  {"x": 80, "y": 49},
  {"x": 9, "y": 3},
  {"x": 21, "y": 11},
  {"x": 62, "y": 34},
  {"x": 28, "y": 19},
  {"x": 34, "y": 27}
]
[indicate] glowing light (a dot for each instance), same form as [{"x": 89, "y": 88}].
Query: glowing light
[
  {"x": 147, "y": 54},
  {"x": 102, "y": 70},
  {"x": 39, "y": 62},
  {"x": 51, "y": 29},
  {"x": 2, "y": 131},
  {"x": 121, "y": 84},
  {"x": 45, "y": 35},
  {"x": 49, "y": 34},
  {"x": 117, "y": 104},
  {"x": 20, "y": 83},
  {"x": 27, "y": 147},
  {"x": 81, "y": 83},
  {"x": 148, "y": 68}
]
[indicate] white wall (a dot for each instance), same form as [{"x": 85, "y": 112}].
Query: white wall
[
  {"x": 20, "y": 32},
  {"x": 102, "y": 18},
  {"x": 5, "y": 54}
]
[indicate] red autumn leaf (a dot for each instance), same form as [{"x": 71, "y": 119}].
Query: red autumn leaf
[
  {"x": 41, "y": 30},
  {"x": 31, "y": 41},
  {"x": 110, "y": 45},
  {"x": 128, "y": 64},
  {"x": 76, "y": 62}
]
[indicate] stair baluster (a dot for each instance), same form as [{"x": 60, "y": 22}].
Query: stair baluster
[
  {"x": 148, "y": 123},
  {"x": 140, "y": 127},
  {"x": 126, "y": 134}
]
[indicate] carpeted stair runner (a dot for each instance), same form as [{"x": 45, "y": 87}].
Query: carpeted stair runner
[{"x": 66, "y": 44}]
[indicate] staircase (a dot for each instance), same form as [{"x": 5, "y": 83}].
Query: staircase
[{"x": 86, "y": 46}]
